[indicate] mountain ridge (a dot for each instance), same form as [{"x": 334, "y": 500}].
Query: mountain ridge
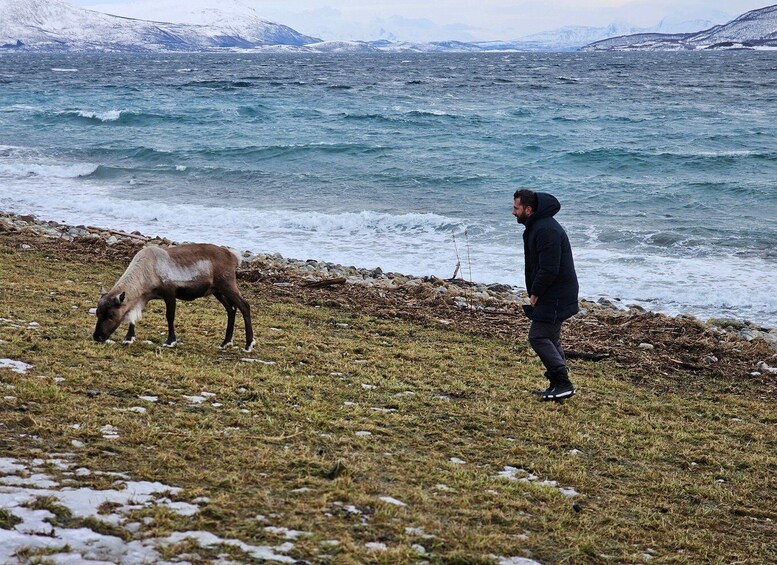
[
  {"x": 54, "y": 25},
  {"x": 751, "y": 30}
]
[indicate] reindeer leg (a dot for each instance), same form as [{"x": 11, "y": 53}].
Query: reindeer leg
[
  {"x": 231, "y": 311},
  {"x": 170, "y": 313},
  {"x": 130, "y": 337},
  {"x": 237, "y": 299}
]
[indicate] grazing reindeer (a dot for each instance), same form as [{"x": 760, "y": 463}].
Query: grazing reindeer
[{"x": 185, "y": 272}]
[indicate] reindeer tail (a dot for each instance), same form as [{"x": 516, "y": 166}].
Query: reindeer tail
[{"x": 237, "y": 255}]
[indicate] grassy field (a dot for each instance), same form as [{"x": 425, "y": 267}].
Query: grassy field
[{"x": 373, "y": 431}]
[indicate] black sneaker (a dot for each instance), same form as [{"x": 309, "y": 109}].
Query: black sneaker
[
  {"x": 542, "y": 393},
  {"x": 559, "y": 391}
]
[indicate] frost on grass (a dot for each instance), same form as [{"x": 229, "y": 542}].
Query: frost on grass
[{"x": 36, "y": 528}]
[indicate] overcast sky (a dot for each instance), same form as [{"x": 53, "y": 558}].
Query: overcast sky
[{"x": 450, "y": 19}]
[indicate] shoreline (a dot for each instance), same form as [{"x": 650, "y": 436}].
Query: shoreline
[{"x": 465, "y": 295}]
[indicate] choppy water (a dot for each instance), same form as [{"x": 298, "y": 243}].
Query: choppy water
[{"x": 665, "y": 164}]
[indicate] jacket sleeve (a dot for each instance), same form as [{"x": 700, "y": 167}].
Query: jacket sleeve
[{"x": 549, "y": 258}]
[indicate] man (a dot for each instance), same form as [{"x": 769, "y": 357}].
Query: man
[{"x": 551, "y": 282}]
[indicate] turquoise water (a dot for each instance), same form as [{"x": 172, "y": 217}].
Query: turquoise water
[{"x": 665, "y": 164}]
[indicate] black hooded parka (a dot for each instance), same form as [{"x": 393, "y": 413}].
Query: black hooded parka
[{"x": 550, "y": 269}]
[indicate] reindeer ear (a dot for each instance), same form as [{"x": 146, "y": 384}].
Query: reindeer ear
[
  {"x": 119, "y": 299},
  {"x": 103, "y": 292}
]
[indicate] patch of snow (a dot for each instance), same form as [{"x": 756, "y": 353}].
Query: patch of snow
[
  {"x": 207, "y": 539},
  {"x": 457, "y": 461},
  {"x": 286, "y": 532},
  {"x": 194, "y": 399},
  {"x": 8, "y": 466},
  {"x": 109, "y": 432},
  {"x": 391, "y": 500},
  {"x": 260, "y": 361},
  {"x": 15, "y": 366},
  {"x": 363, "y": 433},
  {"x": 149, "y": 398},
  {"x": 376, "y": 546},
  {"x": 39, "y": 480},
  {"x": 516, "y": 561},
  {"x": 419, "y": 549},
  {"x": 510, "y": 473}
]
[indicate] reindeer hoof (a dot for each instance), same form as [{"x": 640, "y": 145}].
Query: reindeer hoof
[
  {"x": 225, "y": 345},
  {"x": 249, "y": 347},
  {"x": 170, "y": 345},
  {"x": 128, "y": 341}
]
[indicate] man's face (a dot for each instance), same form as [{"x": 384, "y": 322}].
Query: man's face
[{"x": 520, "y": 211}]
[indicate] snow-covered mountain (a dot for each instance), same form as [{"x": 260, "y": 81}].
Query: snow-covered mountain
[
  {"x": 752, "y": 30},
  {"x": 572, "y": 37},
  {"x": 54, "y": 25}
]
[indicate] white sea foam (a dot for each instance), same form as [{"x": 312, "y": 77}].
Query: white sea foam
[
  {"x": 108, "y": 116},
  {"x": 61, "y": 171}
]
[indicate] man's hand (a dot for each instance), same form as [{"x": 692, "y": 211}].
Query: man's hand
[{"x": 533, "y": 299}]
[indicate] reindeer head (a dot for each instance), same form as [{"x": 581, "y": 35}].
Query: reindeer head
[{"x": 110, "y": 312}]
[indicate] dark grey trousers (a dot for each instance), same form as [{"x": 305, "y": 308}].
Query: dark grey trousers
[{"x": 545, "y": 340}]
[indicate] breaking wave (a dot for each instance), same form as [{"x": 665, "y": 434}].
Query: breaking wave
[{"x": 23, "y": 170}]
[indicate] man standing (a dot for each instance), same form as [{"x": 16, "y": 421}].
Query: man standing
[{"x": 551, "y": 282}]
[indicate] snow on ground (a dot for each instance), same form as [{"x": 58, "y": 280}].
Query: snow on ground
[
  {"x": 21, "y": 484},
  {"x": 15, "y": 366},
  {"x": 511, "y": 473}
]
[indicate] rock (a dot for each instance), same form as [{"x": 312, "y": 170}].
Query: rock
[
  {"x": 746, "y": 334},
  {"x": 710, "y": 359},
  {"x": 646, "y": 346},
  {"x": 500, "y": 288},
  {"x": 112, "y": 240},
  {"x": 726, "y": 323},
  {"x": 764, "y": 368},
  {"x": 607, "y": 303}
]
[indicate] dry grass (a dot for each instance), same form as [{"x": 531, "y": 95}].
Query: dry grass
[{"x": 682, "y": 476}]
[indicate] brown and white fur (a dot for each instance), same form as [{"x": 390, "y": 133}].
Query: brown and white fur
[{"x": 182, "y": 272}]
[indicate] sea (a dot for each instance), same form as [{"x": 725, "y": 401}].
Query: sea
[{"x": 665, "y": 164}]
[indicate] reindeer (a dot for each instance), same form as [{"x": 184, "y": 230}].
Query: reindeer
[{"x": 181, "y": 272}]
